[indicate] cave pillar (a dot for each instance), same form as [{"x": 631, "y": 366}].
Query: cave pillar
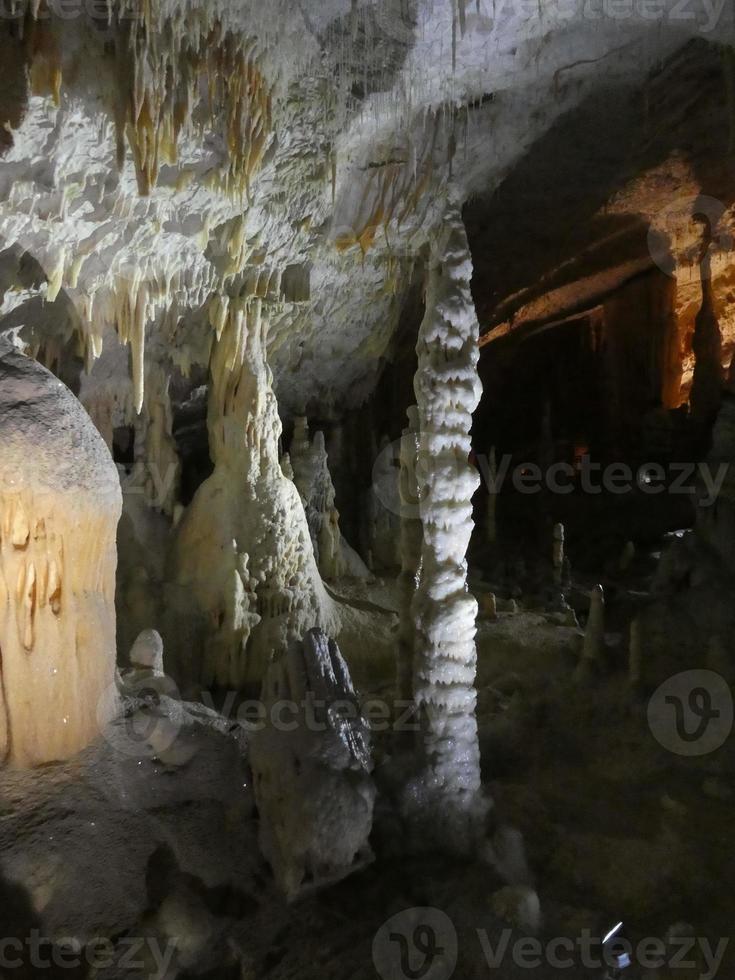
[
  {"x": 410, "y": 546},
  {"x": 447, "y": 389},
  {"x": 60, "y": 502}
]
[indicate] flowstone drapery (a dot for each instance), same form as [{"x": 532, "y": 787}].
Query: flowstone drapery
[{"x": 60, "y": 502}]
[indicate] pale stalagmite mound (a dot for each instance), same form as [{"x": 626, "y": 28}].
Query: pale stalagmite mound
[{"x": 60, "y": 502}]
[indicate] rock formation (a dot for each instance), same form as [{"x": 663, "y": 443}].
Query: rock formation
[
  {"x": 449, "y": 797},
  {"x": 557, "y": 556},
  {"x": 60, "y": 503},
  {"x": 593, "y": 650},
  {"x": 709, "y": 376},
  {"x": 311, "y": 766},
  {"x": 411, "y": 540},
  {"x": 244, "y": 578},
  {"x": 314, "y": 483}
]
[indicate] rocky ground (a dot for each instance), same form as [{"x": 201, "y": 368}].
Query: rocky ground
[{"x": 157, "y": 845}]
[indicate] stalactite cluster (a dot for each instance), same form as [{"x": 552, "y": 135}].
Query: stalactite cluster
[{"x": 162, "y": 66}]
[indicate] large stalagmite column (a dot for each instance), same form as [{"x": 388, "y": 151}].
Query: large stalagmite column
[
  {"x": 244, "y": 578},
  {"x": 60, "y": 502},
  {"x": 447, "y": 390}
]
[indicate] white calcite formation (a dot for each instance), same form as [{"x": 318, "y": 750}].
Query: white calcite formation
[
  {"x": 244, "y": 578},
  {"x": 449, "y": 805},
  {"x": 60, "y": 502},
  {"x": 158, "y": 151},
  {"x": 311, "y": 763},
  {"x": 147, "y": 653},
  {"x": 410, "y": 541}
]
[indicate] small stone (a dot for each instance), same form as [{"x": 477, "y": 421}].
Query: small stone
[
  {"x": 488, "y": 607},
  {"x": 147, "y": 652}
]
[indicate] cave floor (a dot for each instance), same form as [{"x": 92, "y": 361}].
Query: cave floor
[{"x": 615, "y": 828}]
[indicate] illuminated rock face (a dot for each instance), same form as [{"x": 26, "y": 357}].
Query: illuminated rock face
[{"x": 60, "y": 502}]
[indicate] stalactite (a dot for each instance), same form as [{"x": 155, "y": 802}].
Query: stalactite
[
  {"x": 447, "y": 801},
  {"x": 161, "y": 66}
]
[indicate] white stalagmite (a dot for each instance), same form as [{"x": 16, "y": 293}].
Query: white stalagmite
[
  {"x": 557, "y": 555},
  {"x": 314, "y": 483},
  {"x": 594, "y": 634},
  {"x": 448, "y": 805},
  {"x": 245, "y": 581},
  {"x": 60, "y": 502}
]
